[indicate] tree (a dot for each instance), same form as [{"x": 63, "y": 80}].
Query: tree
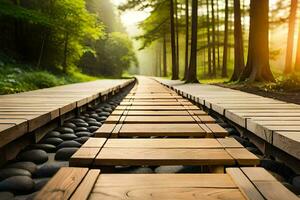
[
  {"x": 175, "y": 74},
  {"x": 213, "y": 39},
  {"x": 165, "y": 55},
  {"x": 225, "y": 55},
  {"x": 239, "y": 62},
  {"x": 192, "y": 74},
  {"x": 297, "y": 63},
  {"x": 258, "y": 67},
  {"x": 208, "y": 38},
  {"x": 186, "y": 65},
  {"x": 290, "y": 41}
]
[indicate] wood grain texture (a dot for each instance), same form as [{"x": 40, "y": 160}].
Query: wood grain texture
[{"x": 63, "y": 184}]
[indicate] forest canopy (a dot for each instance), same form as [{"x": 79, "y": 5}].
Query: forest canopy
[{"x": 57, "y": 35}]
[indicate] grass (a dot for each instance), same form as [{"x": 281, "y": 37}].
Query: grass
[{"x": 15, "y": 78}]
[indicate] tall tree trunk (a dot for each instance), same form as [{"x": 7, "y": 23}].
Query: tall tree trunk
[
  {"x": 186, "y": 65},
  {"x": 177, "y": 35},
  {"x": 290, "y": 41},
  {"x": 225, "y": 47},
  {"x": 208, "y": 39},
  {"x": 239, "y": 62},
  {"x": 66, "y": 42},
  {"x": 258, "y": 66},
  {"x": 173, "y": 42},
  {"x": 165, "y": 55},
  {"x": 297, "y": 63},
  {"x": 213, "y": 38},
  {"x": 192, "y": 75},
  {"x": 218, "y": 35}
]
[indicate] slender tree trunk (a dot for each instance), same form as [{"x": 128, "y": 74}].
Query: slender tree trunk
[
  {"x": 213, "y": 38},
  {"x": 173, "y": 42},
  {"x": 258, "y": 67},
  {"x": 165, "y": 56},
  {"x": 66, "y": 42},
  {"x": 186, "y": 65},
  {"x": 192, "y": 75},
  {"x": 290, "y": 41},
  {"x": 218, "y": 35},
  {"x": 177, "y": 35},
  {"x": 297, "y": 63},
  {"x": 239, "y": 62},
  {"x": 208, "y": 39},
  {"x": 225, "y": 50}
]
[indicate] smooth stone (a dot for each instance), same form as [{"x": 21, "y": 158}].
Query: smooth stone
[
  {"x": 86, "y": 115},
  {"x": 82, "y": 124},
  {"x": 168, "y": 169},
  {"x": 29, "y": 166},
  {"x": 50, "y": 148},
  {"x": 291, "y": 188},
  {"x": 90, "y": 119},
  {"x": 68, "y": 136},
  {"x": 134, "y": 170},
  {"x": 17, "y": 184},
  {"x": 9, "y": 172},
  {"x": 79, "y": 129},
  {"x": 36, "y": 156},
  {"x": 81, "y": 140},
  {"x": 31, "y": 196},
  {"x": 98, "y": 110},
  {"x": 69, "y": 125},
  {"x": 6, "y": 196},
  {"x": 39, "y": 184},
  {"x": 95, "y": 124},
  {"x": 296, "y": 182},
  {"x": 279, "y": 168},
  {"x": 104, "y": 114},
  {"x": 101, "y": 118},
  {"x": 65, "y": 154},
  {"x": 69, "y": 143},
  {"x": 94, "y": 115},
  {"x": 232, "y": 131},
  {"x": 93, "y": 128},
  {"x": 108, "y": 110},
  {"x": 82, "y": 117},
  {"x": 254, "y": 150},
  {"x": 52, "y": 134},
  {"x": 47, "y": 170},
  {"x": 53, "y": 141},
  {"x": 65, "y": 130},
  {"x": 76, "y": 120},
  {"x": 83, "y": 134}
]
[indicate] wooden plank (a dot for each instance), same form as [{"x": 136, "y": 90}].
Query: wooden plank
[
  {"x": 159, "y": 113},
  {"x": 162, "y": 130},
  {"x": 288, "y": 142},
  {"x": 84, "y": 189},
  {"x": 105, "y": 130},
  {"x": 155, "y": 103},
  {"x": 217, "y": 129},
  {"x": 152, "y": 119},
  {"x": 158, "y": 108},
  {"x": 229, "y": 143},
  {"x": 244, "y": 184},
  {"x": 143, "y": 156},
  {"x": 84, "y": 157},
  {"x": 63, "y": 184},
  {"x": 164, "y": 143},
  {"x": 267, "y": 184},
  {"x": 243, "y": 156},
  {"x": 94, "y": 143}
]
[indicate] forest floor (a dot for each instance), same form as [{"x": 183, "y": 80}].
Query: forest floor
[
  {"x": 16, "y": 77},
  {"x": 285, "y": 89}
]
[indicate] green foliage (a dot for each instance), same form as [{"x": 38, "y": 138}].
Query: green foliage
[
  {"x": 114, "y": 54},
  {"x": 16, "y": 78},
  {"x": 289, "y": 83}
]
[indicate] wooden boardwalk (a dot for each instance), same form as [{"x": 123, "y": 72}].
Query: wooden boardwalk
[
  {"x": 236, "y": 184},
  {"x": 274, "y": 121},
  {"x": 153, "y": 126},
  {"x": 25, "y": 112}
]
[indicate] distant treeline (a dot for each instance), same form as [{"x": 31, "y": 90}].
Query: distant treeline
[{"x": 62, "y": 35}]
